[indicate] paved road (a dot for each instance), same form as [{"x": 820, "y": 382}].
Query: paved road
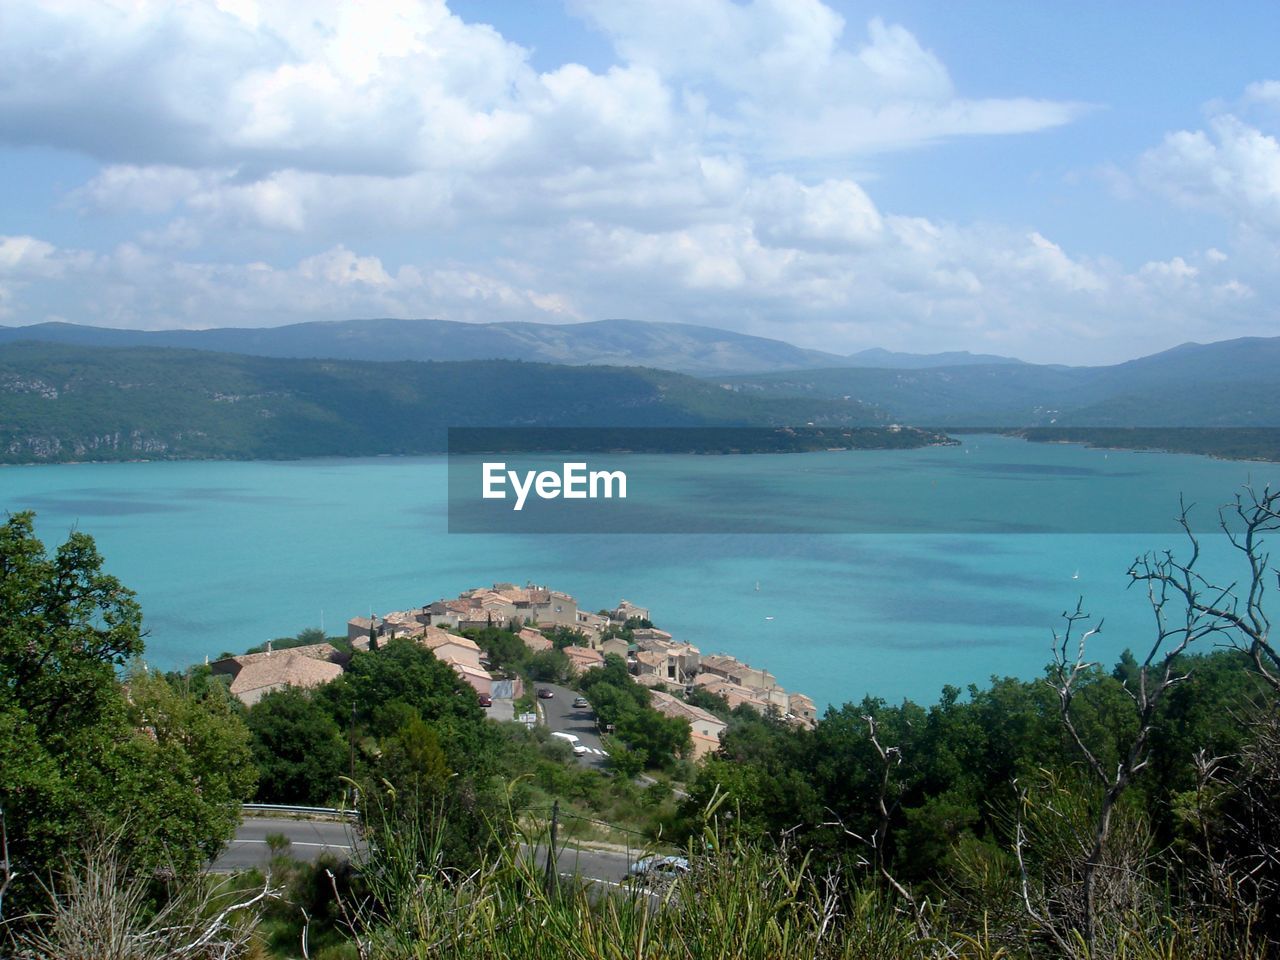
[
  {"x": 605, "y": 867},
  {"x": 561, "y": 716},
  {"x": 308, "y": 839}
]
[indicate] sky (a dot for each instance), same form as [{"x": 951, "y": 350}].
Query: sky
[{"x": 1071, "y": 183}]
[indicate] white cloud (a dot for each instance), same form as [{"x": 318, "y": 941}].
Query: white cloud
[
  {"x": 831, "y": 214},
  {"x": 1176, "y": 271},
  {"x": 1232, "y": 168},
  {"x": 783, "y": 79},
  {"x": 27, "y": 256},
  {"x": 277, "y": 161},
  {"x": 133, "y": 286}
]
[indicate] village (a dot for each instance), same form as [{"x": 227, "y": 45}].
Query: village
[{"x": 672, "y": 669}]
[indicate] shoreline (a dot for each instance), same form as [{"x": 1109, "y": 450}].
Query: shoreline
[{"x": 1010, "y": 433}]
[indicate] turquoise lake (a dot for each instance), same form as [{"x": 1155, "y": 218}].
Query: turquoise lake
[{"x": 224, "y": 555}]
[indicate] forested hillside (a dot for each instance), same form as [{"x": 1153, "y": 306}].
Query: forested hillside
[{"x": 60, "y": 403}]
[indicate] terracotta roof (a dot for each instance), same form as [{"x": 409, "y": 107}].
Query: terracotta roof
[
  {"x": 584, "y": 656},
  {"x": 534, "y": 640},
  {"x": 312, "y": 651},
  {"x": 465, "y": 669},
  {"x": 653, "y": 643},
  {"x": 650, "y": 633},
  {"x": 284, "y": 668},
  {"x": 733, "y": 691},
  {"x": 433, "y": 637},
  {"x": 674, "y": 707},
  {"x": 719, "y": 661}
]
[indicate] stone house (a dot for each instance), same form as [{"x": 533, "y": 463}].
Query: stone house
[
  {"x": 582, "y": 659},
  {"x": 254, "y": 675},
  {"x": 705, "y": 727}
]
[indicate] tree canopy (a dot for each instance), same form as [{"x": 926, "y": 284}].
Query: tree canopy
[{"x": 81, "y": 753}]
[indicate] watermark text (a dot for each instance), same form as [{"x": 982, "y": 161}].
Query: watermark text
[{"x": 573, "y": 482}]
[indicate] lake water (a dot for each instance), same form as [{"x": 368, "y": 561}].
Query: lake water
[{"x": 224, "y": 555}]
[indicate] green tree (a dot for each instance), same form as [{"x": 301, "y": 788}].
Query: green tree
[
  {"x": 300, "y": 751},
  {"x": 187, "y": 768},
  {"x": 406, "y": 674},
  {"x": 163, "y": 770},
  {"x": 549, "y": 665},
  {"x": 66, "y": 628},
  {"x": 413, "y": 761},
  {"x": 503, "y": 649},
  {"x": 662, "y": 738}
]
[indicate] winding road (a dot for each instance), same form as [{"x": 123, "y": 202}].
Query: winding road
[{"x": 561, "y": 716}]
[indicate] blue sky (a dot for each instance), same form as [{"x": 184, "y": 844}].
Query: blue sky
[{"x": 1061, "y": 182}]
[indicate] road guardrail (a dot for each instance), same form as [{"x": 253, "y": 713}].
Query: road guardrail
[{"x": 287, "y": 809}]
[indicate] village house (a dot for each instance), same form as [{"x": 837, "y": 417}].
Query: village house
[
  {"x": 534, "y": 640},
  {"x": 675, "y": 663},
  {"x": 626, "y": 610},
  {"x": 479, "y": 678},
  {"x": 254, "y": 675},
  {"x": 705, "y": 727},
  {"x": 640, "y": 634},
  {"x": 650, "y": 667},
  {"x": 592, "y": 626},
  {"x": 615, "y": 645},
  {"x": 450, "y": 647},
  {"x": 802, "y": 708},
  {"x": 735, "y": 694},
  {"x": 554, "y": 609},
  {"x": 462, "y": 654},
  {"x": 582, "y": 659},
  {"x": 734, "y": 670},
  {"x": 359, "y": 627}
]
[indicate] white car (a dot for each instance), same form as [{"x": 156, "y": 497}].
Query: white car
[
  {"x": 572, "y": 740},
  {"x": 658, "y": 868}
]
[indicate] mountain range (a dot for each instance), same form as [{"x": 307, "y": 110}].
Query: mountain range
[
  {"x": 97, "y": 394},
  {"x": 681, "y": 347},
  {"x": 1232, "y": 383}
]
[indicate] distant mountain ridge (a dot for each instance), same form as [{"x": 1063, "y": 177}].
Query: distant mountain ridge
[
  {"x": 681, "y": 347},
  {"x": 1229, "y": 383},
  {"x": 879, "y": 357},
  {"x": 1232, "y": 383}
]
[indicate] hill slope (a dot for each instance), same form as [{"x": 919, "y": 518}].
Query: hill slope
[
  {"x": 60, "y": 402},
  {"x": 1234, "y": 383},
  {"x": 683, "y": 347},
  {"x": 668, "y": 346}
]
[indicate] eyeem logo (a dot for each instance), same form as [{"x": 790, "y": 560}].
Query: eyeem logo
[{"x": 573, "y": 482}]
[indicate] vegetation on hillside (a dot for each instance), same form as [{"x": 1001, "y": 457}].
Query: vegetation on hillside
[
  {"x": 60, "y": 403},
  {"x": 1217, "y": 385}
]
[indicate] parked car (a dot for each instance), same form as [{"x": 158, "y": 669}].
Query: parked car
[
  {"x": 658, "y": 868},
  {"x": 545, "y": 693},
  {"x": 486, "y": 700},
  {"x": 581, "y": 703}
]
